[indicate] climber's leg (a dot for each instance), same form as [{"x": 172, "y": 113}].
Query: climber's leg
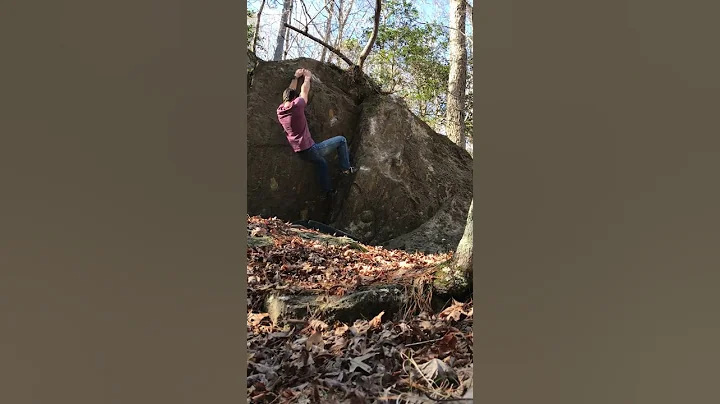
[
  {"x": 339, "y": 144},
  {"x": 313, "y": 155}
]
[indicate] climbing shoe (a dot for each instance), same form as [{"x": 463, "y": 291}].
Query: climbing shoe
[{"x": 352, "y": 170}]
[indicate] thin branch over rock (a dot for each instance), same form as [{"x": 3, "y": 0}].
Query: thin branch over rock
[{"x": 323, "y": 43}]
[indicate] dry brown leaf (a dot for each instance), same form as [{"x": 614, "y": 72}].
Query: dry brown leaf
[
  {"x": 426, "y": 325},
  {"x": 437, "y": 370},
  {"x": 375, "y": 322},
  {"x": 448, "y": 342},
  {"x": 254, "y": 319},
  {"x": 358, "y": 363},
  {"x": 315, "y": 339},
  {"x": 341, "y": 330},
  {"x": 453, "y": 312},
  {"x": 339, "y": 345},
  {"x": 318, "y": 325}
]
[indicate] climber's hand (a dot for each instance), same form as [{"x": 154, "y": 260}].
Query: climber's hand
[{"x": 299, "y": 72}]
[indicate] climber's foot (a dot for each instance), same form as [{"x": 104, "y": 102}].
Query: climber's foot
[{"x": 351, "y": 170}]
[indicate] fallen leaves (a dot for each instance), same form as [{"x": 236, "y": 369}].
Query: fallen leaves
[
  {"x": 437, "y": 370},
  {"x": 375, "y": 322},
  {"x": 298, "y": 264},
  {"x": 456, "y": 311},
  {"x": 358, "y": 362},
  {"x": 310, "y": 360},
  {"x": 315, "y": 339}
]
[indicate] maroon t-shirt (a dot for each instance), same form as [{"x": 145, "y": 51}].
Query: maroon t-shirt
[{"x": 293, "y": 120}]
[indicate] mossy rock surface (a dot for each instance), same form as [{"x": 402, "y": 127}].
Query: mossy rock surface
[
  {"x": 264, "y": 241},
  {"x": 331, "y": 240},
  {"x": 450, "y": 282},
  {"x": 364, "y": 303}
]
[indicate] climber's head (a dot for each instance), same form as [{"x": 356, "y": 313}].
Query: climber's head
[{"x": 289, "y": 95}]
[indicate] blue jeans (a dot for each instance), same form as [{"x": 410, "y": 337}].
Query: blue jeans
[{"x": 317, "y": 153}]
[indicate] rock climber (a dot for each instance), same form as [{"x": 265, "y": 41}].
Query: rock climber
[{"x": 291, "y": 114}]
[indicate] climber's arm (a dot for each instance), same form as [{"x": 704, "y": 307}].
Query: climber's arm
[
  {"x": 294, "y": 82},
  {"x": 305, "y": 89}
]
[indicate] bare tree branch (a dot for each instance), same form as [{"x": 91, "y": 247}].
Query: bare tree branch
[
  {"x": 256, "y": 34},
  {"x": 323, "y": 43},
  {"x": 327, "y": 29},
  {"x": 365, "y": 52},
  {"x": 306, "y": 24},
  {"x": 308, "y": 14},
  {"x": 342, "y": 20}
]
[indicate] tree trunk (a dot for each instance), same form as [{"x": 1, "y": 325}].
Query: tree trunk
[
  {"x": 287, "y": 35},
  {"x": 282, "y": 33},
  {"x": 342, "y": 20},
  {"x": 256, "y": 34},
  {"x": 458, "y": 64},
  {"x": 328, "y": 29},
  {"x": 464, "y": 252},
  {"x": 455, "y": 277},
  {"x": 376, "y": 24}
]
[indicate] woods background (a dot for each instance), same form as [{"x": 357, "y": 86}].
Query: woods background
[{"x": 423, "y": 50}]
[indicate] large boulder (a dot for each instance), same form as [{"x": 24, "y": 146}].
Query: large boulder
[
  {"x": 413, "y": 187},
  {"x": 280, "y": 184}
]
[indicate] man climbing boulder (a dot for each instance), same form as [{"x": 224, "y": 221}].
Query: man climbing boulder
[{"x": 291, "y": 114}]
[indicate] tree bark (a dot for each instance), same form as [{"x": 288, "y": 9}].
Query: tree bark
[
  {"x": 282, "y": 33},
  {"x": 464, "y": 252},
  {"x": 287, "y": 35},
  {"x": 342, "y": 20},
  {"x": 455, "y": 277},
  {"x": 256, "y": 34},
  {"x": 328, "y": 29},
  {"x": 455, "y": 124},
  {"x": 365, "y": 52}
]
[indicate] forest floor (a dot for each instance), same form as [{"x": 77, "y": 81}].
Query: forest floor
[{"x": 416, "y": 355}]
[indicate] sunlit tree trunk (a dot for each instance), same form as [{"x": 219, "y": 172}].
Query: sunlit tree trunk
[
  {"x": 464, "y": 252},
  {"x": 328, "y": 29},
  {"x": 287, "y": 34},
  {"x": 373, "y": 35},
  {"x": 455, "y": 277},
  {"x": 455, "y": 123},
  {"x": 282, "y": 33}
]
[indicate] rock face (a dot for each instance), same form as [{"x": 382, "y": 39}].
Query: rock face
[
  {"x": 279, "y": 183},
  {"x": 413, "y": 187},
  {"x": 365, "y": 303}
]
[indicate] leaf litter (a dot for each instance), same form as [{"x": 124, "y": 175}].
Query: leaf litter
[{"x": 382, "y": 360}]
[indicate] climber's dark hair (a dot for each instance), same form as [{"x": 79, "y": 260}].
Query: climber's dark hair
[{"x": 289, "y": 94}]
